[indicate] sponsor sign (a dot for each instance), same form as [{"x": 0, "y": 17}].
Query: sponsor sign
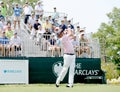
[
  {"x": 80, "y": 71},
  {"x": 57, "y": 67},
  {"x": 13, "y": 71}
]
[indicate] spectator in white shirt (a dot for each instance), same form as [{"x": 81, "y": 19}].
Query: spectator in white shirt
[
  {"x": 39, "y": 35},
  {"x": 41, "y": 20},
  {"x": 27, "y": 10},
  {"x": 55, "y": 14},
  {"x": 77, "y": 32},
  {"x": 38, "y": 9},
  {"x": 31, "y": 21},
  {"x": 15, "y": 43}
]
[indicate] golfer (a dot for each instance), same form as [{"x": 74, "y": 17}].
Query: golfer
[{"x": 69, "y": 58}]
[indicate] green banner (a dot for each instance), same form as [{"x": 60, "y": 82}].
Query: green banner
[{"x": 46, "y": 69}]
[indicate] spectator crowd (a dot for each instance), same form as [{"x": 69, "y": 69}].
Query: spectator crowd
[{"x": 44, "y": 30}]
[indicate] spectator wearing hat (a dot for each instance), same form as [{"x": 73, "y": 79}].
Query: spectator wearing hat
[
  {"x": 4, "y": 41},
  {"x": 15, "y": 43},
  {"x": 38, "y": 10},
  {"x": 17, "y": 12},
  {"x": 57, "y": 30}
]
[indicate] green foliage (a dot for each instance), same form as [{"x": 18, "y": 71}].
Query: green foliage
[
  {"x": 116, "y": 60},
  {"x": 111, "y": 70},
  {"x": 109, "y": 35},
  {"x": 9, "y": 4}
]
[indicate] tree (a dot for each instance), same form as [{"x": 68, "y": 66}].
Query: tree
[
  {"x": 109, "y": 35},
  {"x": 9, "y": 4}
]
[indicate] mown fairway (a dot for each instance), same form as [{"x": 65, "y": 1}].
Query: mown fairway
[{"x": 62, "y": 88}]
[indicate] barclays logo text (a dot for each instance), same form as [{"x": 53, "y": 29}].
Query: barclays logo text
[{"x": 12, "y": 71}]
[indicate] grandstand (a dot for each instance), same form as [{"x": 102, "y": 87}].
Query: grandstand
[
  {"x": 36, "y": 50},
  {"x": 54, "y": 19}
]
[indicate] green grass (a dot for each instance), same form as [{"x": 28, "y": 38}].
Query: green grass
[{"x": 62, "y": 88}]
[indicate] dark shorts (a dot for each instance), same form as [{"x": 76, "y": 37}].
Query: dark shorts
[
  {"x": 16, "y": 48},
  {"x": 26, "y": 19}
]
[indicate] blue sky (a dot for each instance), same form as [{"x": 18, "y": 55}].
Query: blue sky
[{"x": 89, "y": 13}]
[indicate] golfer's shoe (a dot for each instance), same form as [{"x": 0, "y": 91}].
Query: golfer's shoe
[
  {"x": 57, "y": 85},
  {"x": 69, "y": 86}
]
